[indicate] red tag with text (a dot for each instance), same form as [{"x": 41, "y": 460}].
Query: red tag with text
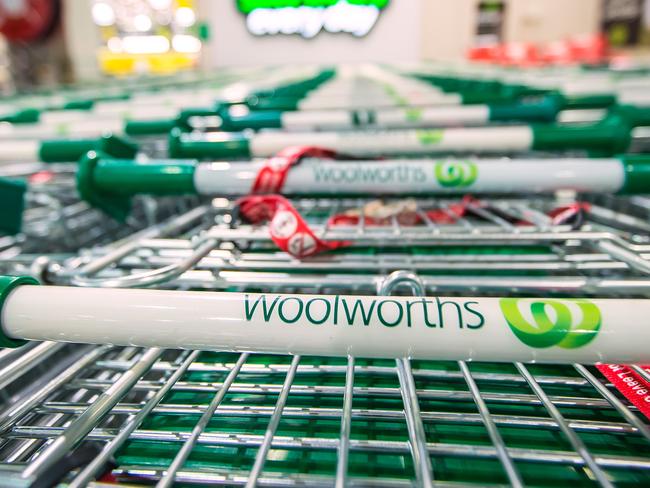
[
  {"x": 630, "y": 384},
  {"x": 288, "y": 229},
  {"x": 270, "y": 179},
  {"x": 562, "y": 215}
]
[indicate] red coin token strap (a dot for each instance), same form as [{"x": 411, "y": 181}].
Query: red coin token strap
[
  {"x": 288, "y": 229},
  {"x": 292, "y": 234},
  {"x": 271, "y": 178},
  {"x": 630, "y": 383}
]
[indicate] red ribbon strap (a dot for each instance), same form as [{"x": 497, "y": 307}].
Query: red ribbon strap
[
  {"x": 270, "y": 179},
  {"x": 288, "y": 229},
  {"x": 630, "y": 384}
]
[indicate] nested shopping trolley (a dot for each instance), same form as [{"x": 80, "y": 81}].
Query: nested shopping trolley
[
  {"x": 42, "y": 215},
  {"x": 290, "y": 340},
  {"x": 318, "y": 403}
]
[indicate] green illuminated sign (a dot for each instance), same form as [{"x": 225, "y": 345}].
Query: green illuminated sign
[
  {"x": 247, "y": 6},
  {"x": 309, "y": 17}
]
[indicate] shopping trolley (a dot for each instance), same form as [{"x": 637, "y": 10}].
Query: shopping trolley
[
  {"x": 216, "y": 247},
  {"x": 43, "y": 216},
  {"x": 303, "y": 409},
  {"x": 228, "y": 418},
  {"x": 61, "y": 129}
]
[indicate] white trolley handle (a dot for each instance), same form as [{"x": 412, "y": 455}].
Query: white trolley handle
[{"x": 444, "y": 328}]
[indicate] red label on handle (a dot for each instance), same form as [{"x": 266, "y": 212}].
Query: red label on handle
[
  {"x": 271, "y": 178},
  {"x": 630, "y": 384},
  {"x": 287, "y": 228}
]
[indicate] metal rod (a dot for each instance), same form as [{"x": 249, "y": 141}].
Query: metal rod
[
  {"x": 502, "y": 450},
  {"x": 573, "y": 438},
  {"x": 417, "y": 435},
  {"x": 89, "y": 419},
  {"x": 26, "y": 361},
  {"x": 17, "y": 410},
  {"x": 86, "y": 475},
  {"x": 200, "y": 426},
  {"x": 625, "y": 412},
  {"x": 260, "y": 458},
  {"x": 346, "y": 424}
]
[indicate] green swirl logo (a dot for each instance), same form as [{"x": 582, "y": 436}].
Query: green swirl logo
[
  {"x": 553, "y": 321},
  {"x": 413, "y": 114},
  {"x": 456, "y": 174},
  {"x": 429, "y": 137}
]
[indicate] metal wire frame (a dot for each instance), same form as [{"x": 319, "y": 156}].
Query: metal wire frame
[
  {"x": 500, "y": 216},
  {"x": 206, "y": 248},
  {"x": 358, "y": 414},
  {"x": 54, "y": 217},
  {"x": 272, "y": 410},
  {"x": 55, "y": 221}
]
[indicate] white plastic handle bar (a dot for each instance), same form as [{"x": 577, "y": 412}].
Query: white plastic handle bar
[
  {"x": 459, "y": 328},
  {"x": 394, "y": 176},
  {"x": 13, "y": 151}
]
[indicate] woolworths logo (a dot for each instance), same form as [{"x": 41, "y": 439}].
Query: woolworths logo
[
  {"x": 413, "y": 114},
  {"x": 433, "y": 313},
  {"x": 429, "y": 137},
  {"x": 456, "y": 174},
  {"x": 544, "y": 323}
]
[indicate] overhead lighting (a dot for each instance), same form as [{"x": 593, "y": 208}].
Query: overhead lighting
[
  {"x": 103, "y": 14},
  {"x": 185, "y": 17},
  {"x": 142, "y": 23},
  {"x": 183, "y": 43},
  {"x": 160, "y": 4},
  {"x": 145, "y": 44},
  {"x": 114, "y": 45}
]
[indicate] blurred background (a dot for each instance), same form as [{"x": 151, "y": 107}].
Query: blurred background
[{"x": 47, "y": 42}]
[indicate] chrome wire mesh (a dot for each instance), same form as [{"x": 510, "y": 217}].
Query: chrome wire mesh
[
  {"x": 56, "y": 223},
  {"x": 604, "y": 253},
  {"x": 74, "y": 416},
  {"x": 217, "y": 418},
  {"x": 144, "y": 416}
]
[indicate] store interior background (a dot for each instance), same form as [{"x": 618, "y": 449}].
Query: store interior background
[{"x": 407, "y": 31}]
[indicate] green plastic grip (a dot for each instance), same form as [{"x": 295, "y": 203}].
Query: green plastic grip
[
  {"x": 149, "y": 127},
  {"x": 610, "y": 136},
  {"x": 109, "y": 184},
  {"x": 219, "y": 145},
  {"x": 544, "y": 110},
  {"x": 594, "y": 101},
  {"x": 67, "y": 150},
  {"x": 263, "y": 119},
  {"x": 633, "y": 115},
  {"x": 12, "y": 205},
  {"x": 637, "y": 174},
  {"x": 273, "y": 103},
  {"x": 7, "y": 285},
  {"x": 79, "y": 104},
  {"x": 23, "y": 116}
]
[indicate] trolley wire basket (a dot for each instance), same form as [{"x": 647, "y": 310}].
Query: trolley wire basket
[
  {"x": 98, "y": 415},
  {"x": 143, "y": 416},
  {"x": 501, "y": 245},
  {"x": 52, "y": 220}
]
